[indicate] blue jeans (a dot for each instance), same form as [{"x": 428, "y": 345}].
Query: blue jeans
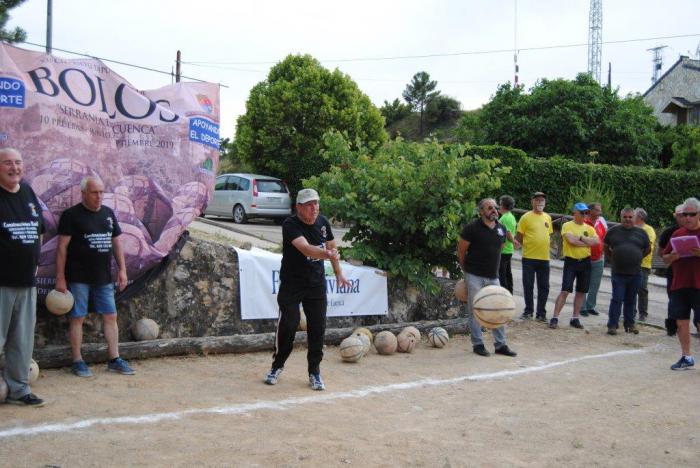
[
  {"x": 474, "y": 285},
  {"x": 531, "y": 269},
  {"x": 624, "y": 296}
]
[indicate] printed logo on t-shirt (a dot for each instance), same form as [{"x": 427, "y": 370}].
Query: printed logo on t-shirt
[
  {"x": 500, "y": 232},
  {"x": 323, "y": 231},
  {"x": 111, "y": 225},
  {"x": 546, "y": 224},
  {"x": 32, "y": 208}
]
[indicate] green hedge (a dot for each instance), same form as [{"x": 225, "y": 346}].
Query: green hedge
[{"x": 658, "y": 191}]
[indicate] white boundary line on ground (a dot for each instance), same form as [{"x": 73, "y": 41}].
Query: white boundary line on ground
[{"x": 298, "y": 401}]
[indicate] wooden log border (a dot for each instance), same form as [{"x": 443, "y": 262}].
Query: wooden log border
[{"x": 60, "y": 356}]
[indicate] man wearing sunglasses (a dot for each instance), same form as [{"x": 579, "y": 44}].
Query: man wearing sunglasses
[
  {"x": 578, "y": 238},
  {"x": 479, "y": 254},
  {"x": 596, "y": 220},
  {"x": 685, "y": 288}
]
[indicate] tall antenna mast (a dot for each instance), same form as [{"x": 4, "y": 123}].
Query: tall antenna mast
[
  {"x": 595, "y": 38},
  {"x": 515, "y": 46},
  {"x": 658, "y": 62}
]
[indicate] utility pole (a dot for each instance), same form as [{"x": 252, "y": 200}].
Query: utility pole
[
  {"x": 657, "y": 62},
  {"x": 609, "y": 76},
  {"x": 177, "y": 67},
  {"x": 595, "y": 38},
  {"x": 49, "y": 23}
]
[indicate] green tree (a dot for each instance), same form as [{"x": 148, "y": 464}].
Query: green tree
[
  {"x": 442, "y": 110},
  {"x": 686, "y": 149},
  {"x": 286, "y": 116},
  {"x": 229, "y": 160},
  {"x": 406, "y": 203},
  {"x": 469, "y": 128},
  {"x": 16, "y": 35},
  {"x": 419, "y": 92},
  {"x": 394, "y": 111},
  {"x": 573, "y": 118}
]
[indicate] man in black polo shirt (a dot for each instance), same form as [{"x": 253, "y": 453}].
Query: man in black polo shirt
[
  {"x": 20, "y": 245},
  {"x": 479, "y": 255},
  {"x": 307, "y": 240}
]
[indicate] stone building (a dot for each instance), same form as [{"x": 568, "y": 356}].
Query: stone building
[{"x": 675, "y": 96}]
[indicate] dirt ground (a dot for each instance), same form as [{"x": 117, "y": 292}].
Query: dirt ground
[{"x": 564, "y": 401}]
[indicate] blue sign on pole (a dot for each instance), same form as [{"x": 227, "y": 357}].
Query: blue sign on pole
[{"x": 204, "y": 131}]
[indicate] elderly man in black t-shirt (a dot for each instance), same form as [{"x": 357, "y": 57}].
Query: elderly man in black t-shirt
[
  {"x": 21, "y": 227},
  {"x": 307, "y": 240},
  {"x": 626, "y": 245},
  {"x": 88, "y": 237},
  {"x": 479, "y": 255}
]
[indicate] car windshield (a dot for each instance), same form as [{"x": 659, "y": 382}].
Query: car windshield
[{"x": 271, "y": 186}]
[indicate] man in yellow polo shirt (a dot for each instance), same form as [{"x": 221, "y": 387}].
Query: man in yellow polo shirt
[
  {"x": 578, "y": 238},
  {"x": 533, "y": 233},
  {"x": 640, "y": 220}
]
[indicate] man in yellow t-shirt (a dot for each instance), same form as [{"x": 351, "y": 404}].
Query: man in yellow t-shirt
[
  {"x": 533, "y": 233},
  {"x": 640, "y": 220},
  {"x": 578, "y": 238}
]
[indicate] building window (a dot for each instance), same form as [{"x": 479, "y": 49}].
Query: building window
[{"x": 694, "y": 116}]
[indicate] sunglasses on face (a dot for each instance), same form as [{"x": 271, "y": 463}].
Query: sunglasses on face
[{"x": 689, "y": 215}]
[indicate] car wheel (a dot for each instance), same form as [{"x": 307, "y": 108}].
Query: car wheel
[{"x": 239, "y": 216}]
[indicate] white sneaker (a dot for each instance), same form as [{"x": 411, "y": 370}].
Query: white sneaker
[
  {"x": 316, "y": 382},
  {"x": 273, "y": 376}
]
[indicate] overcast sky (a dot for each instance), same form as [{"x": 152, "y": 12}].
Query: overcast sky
[{"x": 241, "y": 40}]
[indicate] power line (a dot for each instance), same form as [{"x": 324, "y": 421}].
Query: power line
[
  {"x": 451, "y": 54},
  {"x": 133, "y": 65}
]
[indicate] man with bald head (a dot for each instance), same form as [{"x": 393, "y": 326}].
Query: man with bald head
[
  {"x": 21, "y": 227},
  {"x": 88, "y": 238}
]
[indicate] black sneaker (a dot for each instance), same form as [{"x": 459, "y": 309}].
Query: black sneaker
[
  {"x": 631, "y": 329},
  {"x": 506, "y": 351},
  {"x": 643, "y": 317},
  {"x": 593, "y": 312},
  {"x": 481, "y": 350},
  {"x": 576, "y": 323},
  {"x": 612, "y": 331},
  {"x": 584, "y": 313},
  {"x": 27, "y": 400},
  {"x": 553, "y": 323},
  {"x": 526, "y": 316},
  {"x": 541, "y": 318}
]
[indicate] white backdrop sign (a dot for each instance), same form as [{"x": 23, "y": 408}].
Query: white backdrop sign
[{"x": 259, "y": 272}]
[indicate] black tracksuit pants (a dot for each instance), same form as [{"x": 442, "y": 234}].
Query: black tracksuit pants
[{"x": 314, "y": 302}]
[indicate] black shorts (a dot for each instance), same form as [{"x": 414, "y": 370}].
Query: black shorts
[
  {"x": 580, "y": 270},
  {"x": 681, "y": 301}
]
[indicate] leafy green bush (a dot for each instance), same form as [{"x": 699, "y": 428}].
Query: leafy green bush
[
  {"x": 406, "y": 204},
  {"x": 686, "y": 149},
  {"x": 658, "y": 191},
  {"x": 591, "y": 190}
]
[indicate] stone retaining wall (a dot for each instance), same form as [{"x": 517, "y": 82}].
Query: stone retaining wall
[{"x": 198, "y": 295}]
